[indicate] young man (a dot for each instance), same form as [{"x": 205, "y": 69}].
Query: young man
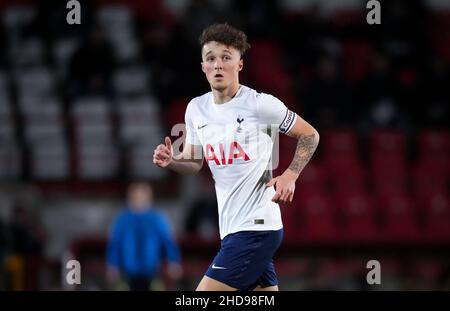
[{"x": 226, "y": 126}]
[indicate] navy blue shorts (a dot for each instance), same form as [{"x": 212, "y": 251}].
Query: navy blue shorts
[{"x": 245, "y": 259}]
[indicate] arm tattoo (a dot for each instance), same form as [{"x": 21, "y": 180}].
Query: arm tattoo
[{"x": 306, "y": 146}]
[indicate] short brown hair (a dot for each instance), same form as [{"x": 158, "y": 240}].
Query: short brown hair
[{"x": 227, "y": 35}]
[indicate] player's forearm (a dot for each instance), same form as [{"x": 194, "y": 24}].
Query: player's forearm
[
  {"x": 306, "y": 146},
  {"x": 185, "y": 167}
]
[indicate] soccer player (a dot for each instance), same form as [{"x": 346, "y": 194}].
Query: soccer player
[{"x": 226, "y": 127}]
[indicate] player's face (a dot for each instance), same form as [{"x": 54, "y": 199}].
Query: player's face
[{"x": 221, "y": 64}]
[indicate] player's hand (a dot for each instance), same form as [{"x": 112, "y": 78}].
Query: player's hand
[
  {"x": 284, "y": 187},
  {"x": 162, "y": 155}
]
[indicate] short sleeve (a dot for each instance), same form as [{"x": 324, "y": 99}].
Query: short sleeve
[
  {"x": 272, "y": 111},
  {"x": 191, "y": 133}
]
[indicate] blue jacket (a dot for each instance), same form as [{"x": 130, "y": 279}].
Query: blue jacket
[{"x": 140, "y": 241}]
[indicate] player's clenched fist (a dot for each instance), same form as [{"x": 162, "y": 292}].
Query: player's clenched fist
[{"x": 162, "y": 155}]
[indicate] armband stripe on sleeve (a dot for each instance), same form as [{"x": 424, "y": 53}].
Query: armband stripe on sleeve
[{"x": 288, "y": 122}]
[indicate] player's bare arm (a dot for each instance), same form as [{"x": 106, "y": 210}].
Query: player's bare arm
[
  {"x": 190, "y": 161},
  {"x": 308, "y": 139}
]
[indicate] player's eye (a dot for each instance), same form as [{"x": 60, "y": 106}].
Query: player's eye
[
  {"x": 210, "y": 59},
  {"x": 226, "y": 57}
]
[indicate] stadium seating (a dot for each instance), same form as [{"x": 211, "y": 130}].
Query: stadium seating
[
  {"x": 382, "y": 184},
  {"x": 317, "y": 218},
  {"x": 358, "y": 218},
  {"x": 436, "y": 217},
  {"x": 399, "y": 218}
]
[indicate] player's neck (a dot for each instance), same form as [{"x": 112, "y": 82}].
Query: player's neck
[{"x": 223, "y": 96}]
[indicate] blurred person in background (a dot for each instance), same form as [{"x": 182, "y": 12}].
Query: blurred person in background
[{"x": 139, "y": 241}]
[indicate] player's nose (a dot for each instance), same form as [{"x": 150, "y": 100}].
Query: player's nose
[{"x": 218, "y": 64}]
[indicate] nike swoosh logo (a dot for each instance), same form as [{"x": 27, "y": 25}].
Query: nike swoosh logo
[
  {"x": 217, "y": 267},
  {"x": 202, "y": 126}
]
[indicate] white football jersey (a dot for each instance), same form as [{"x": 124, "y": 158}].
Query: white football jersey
[{"x": 237, "y": 146}]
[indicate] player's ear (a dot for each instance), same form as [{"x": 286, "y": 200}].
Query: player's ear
[
  {"x": 203, "y": 67},
  {"x": 241, "y": 64}
]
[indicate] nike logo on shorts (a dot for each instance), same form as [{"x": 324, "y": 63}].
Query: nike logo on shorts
[
  {"x": 217, "y": 267},
  {"x": 202, "y": 126}
]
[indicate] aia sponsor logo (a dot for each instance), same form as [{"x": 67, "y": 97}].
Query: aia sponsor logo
[{"x": 218, "y": 155}]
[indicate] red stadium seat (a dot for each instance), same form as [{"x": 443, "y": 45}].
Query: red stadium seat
[
  {"x": 385, "y": 166},
  {"x": 436, "y": 217},
  {"x": 175, "y": 113},
  {"x": 399, "y": 218},
  {"x": 431, "y": 175},
  {"x": 345, "y": 175},
  {"x": 434, "y": 142},
  {"x": 339, "y": 142},
  {"x": 389, "y": 187},
  {"x": 359, "y": 222},
  {"x": 290, "y": 217},
  {"x": 271, "y": 78},
  {"x": 387, "y": 141},
  {"x": 389, "y": 173},
  {"x": 439, "y": 37},
  {"x": 313, "y": 177},
  {"x": 388, "y": 161},
  {"x": 356, "y": 56},
  {"x": 317, "y": 216},
  {"x": 282, "y": 157},
  {"x": 264, "y": 50}
]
